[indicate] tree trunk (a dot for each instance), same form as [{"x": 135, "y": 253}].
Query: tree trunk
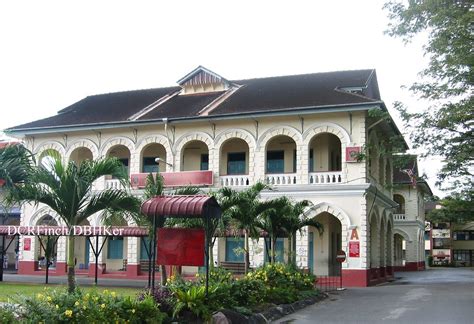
[
  {"x": 293, "y": 248},
  {"x": 247, "y": 253},
  {"x": 71, "y": 277},
  {"x": 163, "y": 277}
]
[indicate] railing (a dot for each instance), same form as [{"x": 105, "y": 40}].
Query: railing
[
  {"x": 399, "y": 217},
  {"x": 319, "y": 178},
  {"x": 234, "y": 180},
  {"x": 281, "y": 179},
  {"x": 113, "y": 184}
]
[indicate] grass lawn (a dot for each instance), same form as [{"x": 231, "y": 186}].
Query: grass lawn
[{"x": 10, "y": 289}]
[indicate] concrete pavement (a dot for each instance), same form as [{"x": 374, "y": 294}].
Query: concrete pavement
[{"x": 440, "y": 295}]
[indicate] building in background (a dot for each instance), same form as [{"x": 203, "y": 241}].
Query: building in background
[{"x": 409, "y": 193}]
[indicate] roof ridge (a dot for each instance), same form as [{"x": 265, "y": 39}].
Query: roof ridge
[{"x": 303, "y": 74}]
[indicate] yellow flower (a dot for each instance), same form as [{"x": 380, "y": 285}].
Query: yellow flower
[
  {"x": 113, "y": 293},
  {"x": 68, "y": 313},
  {"x": 84, "y": 307},
  {"x": 102, "y": 306},
  {"x": 105, "y": 291},
  {"x": 49, "y": 298},
  {"x": 57, "y": 306},
  {"x": 133, "y": 311},
  {"x": 76, "y": 303},
  {"x": 39, "y": 296}
]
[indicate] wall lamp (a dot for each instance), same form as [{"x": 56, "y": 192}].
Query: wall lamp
[{"x": 158, "y": 160}]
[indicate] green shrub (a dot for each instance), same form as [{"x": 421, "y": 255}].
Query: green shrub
[
  {"x": 247, "y": 291},
  {"x": 7, "y": 314},
  {"x": 191, "y": 300},
  {"x": 282, "y": 283},
  {"x": 281, "y": 275},
  {"x": 217, "y": 276},
  {"x": 57, "y": 306}
]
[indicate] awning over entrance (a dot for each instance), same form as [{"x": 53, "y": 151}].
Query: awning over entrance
[{"x": 182, "y": 206}]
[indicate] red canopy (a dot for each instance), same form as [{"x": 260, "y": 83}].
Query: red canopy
[{"x": 182, "y": 206}]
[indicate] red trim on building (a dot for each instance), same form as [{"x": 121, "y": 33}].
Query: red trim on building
[{"x": 176, "y": 179}]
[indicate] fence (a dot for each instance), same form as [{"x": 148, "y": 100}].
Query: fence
[{"x": 328, "y": 283}]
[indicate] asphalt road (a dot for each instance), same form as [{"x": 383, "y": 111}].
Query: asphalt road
[{"x": 442, "y": 295}]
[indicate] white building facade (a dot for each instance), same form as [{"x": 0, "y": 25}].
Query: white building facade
[{"x": 311, "y": 137}]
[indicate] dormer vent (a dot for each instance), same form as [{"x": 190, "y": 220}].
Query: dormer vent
[{"x": 202, "y": 80}]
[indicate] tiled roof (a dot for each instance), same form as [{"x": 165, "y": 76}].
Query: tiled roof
[{"x": 253, "y": 96}]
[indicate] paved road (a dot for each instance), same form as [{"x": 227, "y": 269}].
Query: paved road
[{"x": 442, "y": 295}]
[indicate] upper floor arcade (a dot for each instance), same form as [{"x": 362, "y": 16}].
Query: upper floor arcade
[{"x": 311, "y": 129}]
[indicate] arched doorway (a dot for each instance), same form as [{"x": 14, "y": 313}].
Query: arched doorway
[
  {"x": 234, "y": 162},
  {"x": 323, "y": 247},
  {"x": 80, "y": 155},
  {"x": 374, "y": 242},
  {"x": 401, "y": 204},
  {"x": 40, "y": 252},
  {"x": 195, "y": 156},
  {"x": 399, "y": 247},
  {"x": 280, "y": 160},
  {"x": 325, "y": 153},
  {"x": 148, "y": 158},
  {"x": 46, "y": 158},
  {"x": 122, "y": 153}
]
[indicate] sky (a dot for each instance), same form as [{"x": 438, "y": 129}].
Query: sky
[{"x": 54, "y": 53}]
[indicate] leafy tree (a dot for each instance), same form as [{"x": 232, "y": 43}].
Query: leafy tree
[
  {"x": 457, "y": 208},
  {"x": 67, "y": 190},
  {"x": 446, "y": 128},
  {"x": 245, "y": 209}
]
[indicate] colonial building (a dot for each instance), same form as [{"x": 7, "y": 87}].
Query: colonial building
[
  {"x": 409, "y": 216},
  {"x": 324, "y": 137}
]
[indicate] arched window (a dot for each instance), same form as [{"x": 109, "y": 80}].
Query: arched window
[{"x": 401, "y": 204}]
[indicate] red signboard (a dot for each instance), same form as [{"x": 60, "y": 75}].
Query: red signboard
[
  {"x": 354, "y": 249},
  {"x": 341, "y": 256},
  {"x": 180, "y": 246},
  {"x": 352, "y": 153},
  {"x": 176, "y": 179},
  {"x": 27, "y": 244}
]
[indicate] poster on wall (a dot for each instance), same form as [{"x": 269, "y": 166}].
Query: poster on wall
[
  {"x": 27, "y": 244},
  {"x": 354, "y": 249}
]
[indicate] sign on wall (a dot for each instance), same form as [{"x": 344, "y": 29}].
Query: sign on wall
[
  {"x": 353, "y": 153},
  {"x": 354, "y": 249},
  {"x": 26, "y": 244},
  {"x": 180, "y": 246},
  {"x": 354, "y": 244}
]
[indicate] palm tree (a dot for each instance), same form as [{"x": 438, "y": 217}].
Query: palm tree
[
  {"x": 245, "y": 209},
  {"x": 67, "y": 190},
  {"x": 272, "y": 221},
  {"x": 15, "y": 164},
  {"x": 294, "y": 221}
]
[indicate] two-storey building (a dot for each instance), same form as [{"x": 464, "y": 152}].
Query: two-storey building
[{"x": 311, "y": 136}]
